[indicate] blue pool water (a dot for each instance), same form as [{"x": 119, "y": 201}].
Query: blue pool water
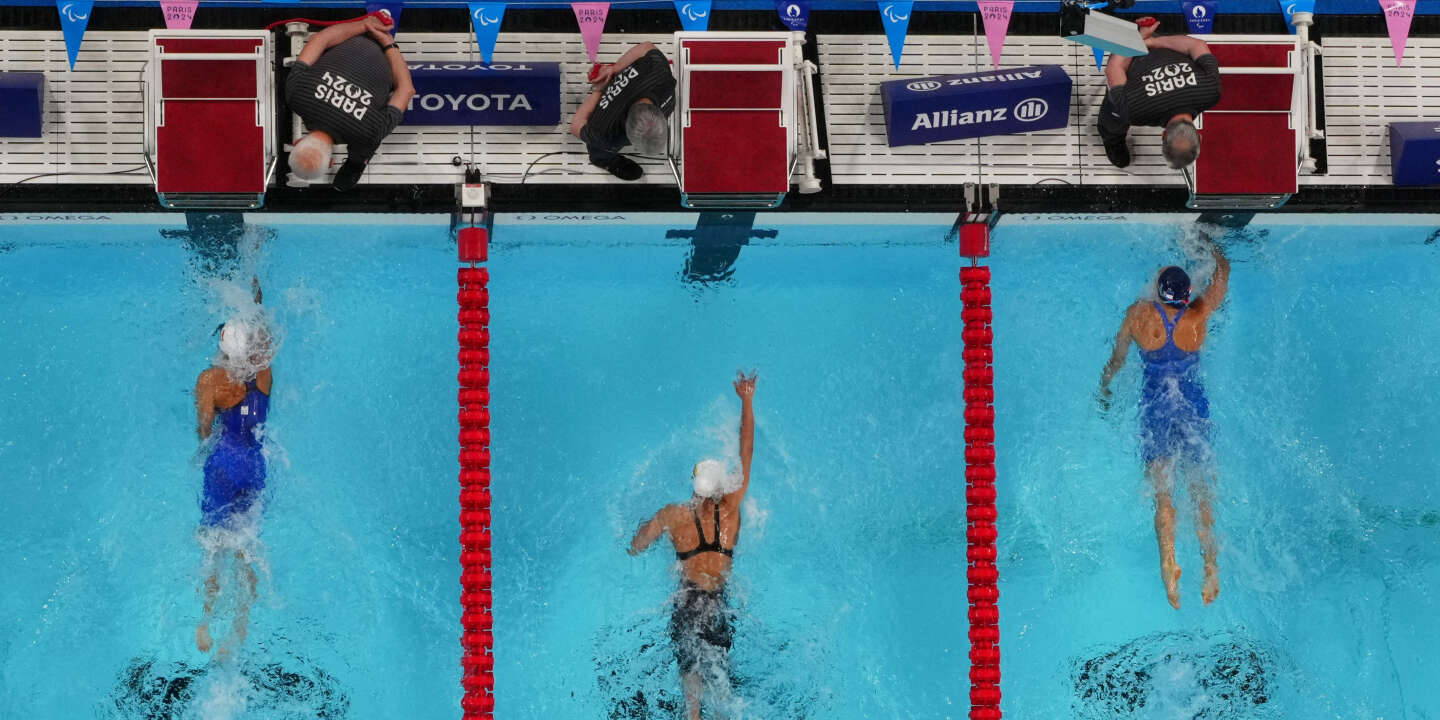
[{"x": 614, "y": 342}]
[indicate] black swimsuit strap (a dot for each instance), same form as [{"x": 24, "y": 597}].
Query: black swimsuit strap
[{"x": 703, "y": 545}]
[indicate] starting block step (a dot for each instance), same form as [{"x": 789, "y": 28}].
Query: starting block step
[{"x": 1415, "y": 153}]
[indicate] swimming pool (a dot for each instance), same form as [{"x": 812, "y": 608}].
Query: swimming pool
[{"x": 613, "y": 342}]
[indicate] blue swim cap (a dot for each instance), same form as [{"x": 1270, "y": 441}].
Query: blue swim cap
[{"x": 1173, "y": 287}]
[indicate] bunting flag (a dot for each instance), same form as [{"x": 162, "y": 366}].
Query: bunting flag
[
  {"x": 1398, "y": 14},
  {"x": 393, "y": 8},
  {"x": 74, "y": 17},
  {"x": 591, "y": 17},
  {"x": 1290, "y": 7},
  {"x": 1100, "y": 60},
  {"x": 694, "y": 14},
  {"x": 486, "y": 17},
  {"x": 895, "y": 16},
  {"x": 795, "y": 14},
  {"x": 1199, "y": 16},
  {"x": 178, "y": 13},
  {"x": 996, "y": 14}
]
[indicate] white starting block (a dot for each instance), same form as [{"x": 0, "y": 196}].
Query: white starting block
[
  {"x": 209, "y": 109},
  {"x": 1255, "y": 142},
  {"x": 744, "y": 120}
]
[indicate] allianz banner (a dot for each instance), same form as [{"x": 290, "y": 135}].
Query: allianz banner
[
  {"x": 955, "y": 107},
  {"x": 469, "y": 92}
]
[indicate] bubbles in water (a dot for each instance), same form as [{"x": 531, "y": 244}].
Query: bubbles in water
[
  {"x": 222, "y": 695},
  {"x": 288, "y": 688},
  {"x": 637, "y": 677},
  {"x": 1175, "y": 675}
]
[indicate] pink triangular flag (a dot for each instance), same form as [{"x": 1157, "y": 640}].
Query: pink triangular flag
[
  {"x": 179, "y": 13},
  {"x": 1398, "y": 14},
  {"x": 996, "y": 14},
  {"x": 591, "y": 16}
]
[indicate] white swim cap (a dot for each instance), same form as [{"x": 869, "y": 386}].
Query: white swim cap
[
  {"x": 235, "y": 339},
  {"x": 710, "y": 478}
]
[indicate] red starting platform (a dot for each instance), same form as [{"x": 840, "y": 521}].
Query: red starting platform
[
  {"x": 742, "y": 97},
  {"x": 209, "y": 110},
  {"x": 1254, "y": 143}
]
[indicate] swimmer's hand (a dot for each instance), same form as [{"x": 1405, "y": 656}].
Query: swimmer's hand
[
  {"x": 1103, "y": 397},
  {"x": 745, "y": 386}
]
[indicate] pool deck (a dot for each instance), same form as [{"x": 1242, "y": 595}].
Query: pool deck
[{"x": 94, "y": 122}]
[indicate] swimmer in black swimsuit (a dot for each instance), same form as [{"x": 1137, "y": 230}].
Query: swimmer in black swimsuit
[{"x": 700, "y": 624}]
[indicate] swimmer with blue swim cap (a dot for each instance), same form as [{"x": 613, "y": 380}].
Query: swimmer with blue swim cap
[
  {"x": 236, "y": 392},
  {"x": 1174, "y": 412},
  {"x": 707, "y": 528}
]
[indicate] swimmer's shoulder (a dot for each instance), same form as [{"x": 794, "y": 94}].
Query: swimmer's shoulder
[
  {"x": 1135, "y": 315},
  {"x": 212, "y": 378}
]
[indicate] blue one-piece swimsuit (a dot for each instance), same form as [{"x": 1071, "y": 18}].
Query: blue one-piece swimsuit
[
  {"x": 1174, "y": 414},
  {"x": 235, "y": 470}
]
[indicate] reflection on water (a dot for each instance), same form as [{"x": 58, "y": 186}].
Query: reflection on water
[
  {"x": 292, "y": 688},
  {"x": 1174, "y": 675},
  {"x": 715, "y": 245}
]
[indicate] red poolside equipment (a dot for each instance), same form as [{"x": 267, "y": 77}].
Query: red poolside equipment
[
  {"x": 740, "y": 118},
  {"x": 209, "y": 135},
  {"x": 1253, "y": 143}
]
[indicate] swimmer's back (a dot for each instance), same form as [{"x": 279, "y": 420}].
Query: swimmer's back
[
  {"x": 707, "y": 569},
  {"x": 1148, "y": 328},
  {"x": 228, "y": 393}
]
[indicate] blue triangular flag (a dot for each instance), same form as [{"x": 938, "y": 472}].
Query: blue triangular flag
[
  {"x": 794, "y": 13},
  {"x": 1100, "y": 60},
  {"x": 486, "y": 17},
  {"x": 74, "y": 17},
  {"x": 895, "y": 16},
  {"x": 1290, "y": 7},
  {"x": 694, "y": 14},
  {"x": 393, "y": 8}
]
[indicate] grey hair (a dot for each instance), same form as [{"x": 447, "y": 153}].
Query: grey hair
[
  {"x": 647, "y": 129},
  {"x": 310, "y": 158},
  {"x": 1181, "y": 133}
]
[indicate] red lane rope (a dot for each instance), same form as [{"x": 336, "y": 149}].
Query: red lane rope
[
  {"x": 477, "y": 638},
  {"x": 984, "y": 593}
]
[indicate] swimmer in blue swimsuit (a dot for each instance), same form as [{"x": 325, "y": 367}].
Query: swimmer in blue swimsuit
[
  {"x": 700, "y": 626},
  {"x": 1174, "y": 413},
  {"x": 237, "y": 391}
]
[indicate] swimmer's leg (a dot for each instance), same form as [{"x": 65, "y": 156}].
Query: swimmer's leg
[
  {"x": 1159, "y": 474},
  {"x": 691, "y": 682},
  {"x": 241, "y": 626},
  {"x": 212, "y": 589},
  {"x": 1205, "y": 530}
]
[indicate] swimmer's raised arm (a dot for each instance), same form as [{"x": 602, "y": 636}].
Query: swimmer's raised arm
[
  {"x": 1219, "y": 284},
  {"x": 649, "y": 531},
  {"x": 745, "y": 388},
  {"x": 1123, "y": 339}
]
